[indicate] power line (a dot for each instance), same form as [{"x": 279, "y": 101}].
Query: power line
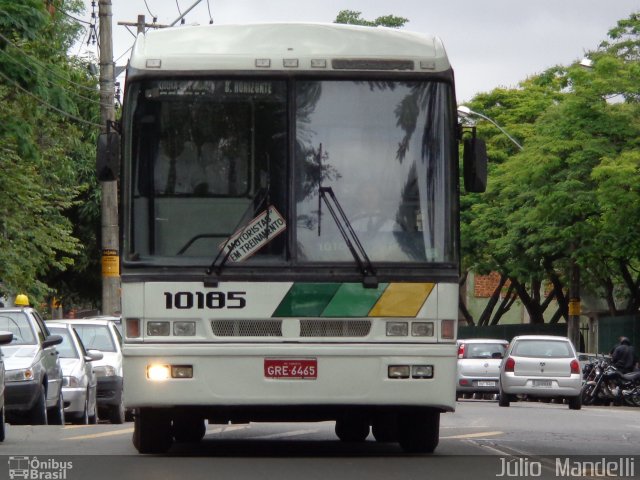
[
  {"x": 155, "y": 17},
  {"x": 40, "y": 64},
  {"x": 48, "y": 105},
  {"x": 97, "y": 102},
  {"x": 210, "y": 16}
]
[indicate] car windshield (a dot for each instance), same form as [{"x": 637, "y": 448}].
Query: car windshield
[
  {"x": 18, "y": 324},
  {"x": 484, "y": 350},
  {"x": 542, "y": 348},
  {"x": 67, "y": 348},
  {"x": 96, "y": 337}
]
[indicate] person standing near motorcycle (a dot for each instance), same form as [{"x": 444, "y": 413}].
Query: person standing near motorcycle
[{"x": 623, "y": 356}]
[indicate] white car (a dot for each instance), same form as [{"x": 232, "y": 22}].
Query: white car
[
  {"x": 541, "y": 366},
  {"x": 103, "y": 335},
  {"x": 479, "y": 365},
  {"x": 79, "y": 383}
]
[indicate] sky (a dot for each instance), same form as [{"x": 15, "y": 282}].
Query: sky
[{"x": 490, "y": 43}]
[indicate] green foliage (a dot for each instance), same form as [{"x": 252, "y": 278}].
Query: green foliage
[
  {"x": 47, "y": 183},
  {"x": 352, "y": 17},
  {"x": 572, "y": 193}
]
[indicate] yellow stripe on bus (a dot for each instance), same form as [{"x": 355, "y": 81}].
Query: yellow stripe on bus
[{"x": 402, "y": 300}]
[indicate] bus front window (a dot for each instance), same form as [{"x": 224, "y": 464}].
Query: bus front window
[
  {"x": 385, "y": 149},
  {"x": 207, "y": 157}
]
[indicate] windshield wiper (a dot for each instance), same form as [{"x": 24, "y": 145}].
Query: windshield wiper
[
  {"x": 369, "y": 278},
  {"x": 262, "y": 196}
]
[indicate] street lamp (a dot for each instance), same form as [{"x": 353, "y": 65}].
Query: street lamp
[{"x": 466, "y": 112}]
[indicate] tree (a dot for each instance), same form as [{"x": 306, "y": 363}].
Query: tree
[
  {"x": 46, "y": 103},
  {"x": 352, "y": 17}
]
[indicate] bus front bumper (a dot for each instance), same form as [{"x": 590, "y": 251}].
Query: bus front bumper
[{"x": 236, "y": 374}]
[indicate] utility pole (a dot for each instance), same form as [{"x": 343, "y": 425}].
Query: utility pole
[
  {"x": 573, "y": 325},
  {"x": 109, "y": 204}
]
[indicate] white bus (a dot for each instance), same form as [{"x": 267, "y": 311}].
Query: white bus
[{"x": 289, "y": 197}]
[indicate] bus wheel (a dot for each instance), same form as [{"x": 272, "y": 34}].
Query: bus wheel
[
  {"x": 152, "y": 431},
  {"x": 419, "y": 431},
  {"x": 188, "y": 429},
  {"x": 385, "y": 428},
  {"x": 352, "y": 430}
]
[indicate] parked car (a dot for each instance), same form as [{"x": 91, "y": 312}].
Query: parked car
[
  {"x": 479, "y": 365},
  {"x": 33, "y": 377},
  {"x": 79, "y": 384},
  {"x": 5, "y": 337},
  {"x": 541, "y": 366},
  {"x": 104, "y": 336}
]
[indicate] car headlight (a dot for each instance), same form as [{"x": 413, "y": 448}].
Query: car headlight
[
  {"x": 71, "y": 381},
  {"x": 104, "y": 371},
  {"x": 20, "y": 375}
]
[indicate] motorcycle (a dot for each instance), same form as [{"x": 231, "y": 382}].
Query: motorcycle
[{"x": 604, "y": 384}]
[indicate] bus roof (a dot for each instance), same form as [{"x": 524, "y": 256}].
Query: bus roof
[{"x": 277, "y": 46}]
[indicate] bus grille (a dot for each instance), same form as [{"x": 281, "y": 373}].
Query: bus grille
[
  {"x": 334, "y": 328},
  {"x": 247, "y": 328}
]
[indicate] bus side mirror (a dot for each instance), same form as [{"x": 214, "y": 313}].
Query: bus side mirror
[
  {"x": 475, "y": 165},
  {"x": 108, "y": 156}
]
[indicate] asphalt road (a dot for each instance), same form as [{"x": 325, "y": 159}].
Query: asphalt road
[{"x": 475, "y": 442}]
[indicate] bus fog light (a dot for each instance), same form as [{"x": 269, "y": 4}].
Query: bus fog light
[
  {"x": 158, "y": 329},
  {"x": 158, "y": 373},
  {"x": 422, "y": 329},
  {"x": 184, "y": 329},
  {"x": 397, "y": 329},
  {"x": 181, "y": 371},
  {"x": 422, "y": 371},
  {"x": 399, "y": 371}
]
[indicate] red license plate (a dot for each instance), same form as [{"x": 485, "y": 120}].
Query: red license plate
[{"x": 306, "y": 368}]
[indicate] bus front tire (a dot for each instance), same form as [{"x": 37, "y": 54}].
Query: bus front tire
[
  {"x": 419, "y": 432},
  {"x": 352, "y": 430},
  {"x": 152, "y": 431}
]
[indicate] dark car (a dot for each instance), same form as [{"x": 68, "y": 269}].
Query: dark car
[
  {"x": 33, "y": 377},
  {"x": 5, "y": 337}
]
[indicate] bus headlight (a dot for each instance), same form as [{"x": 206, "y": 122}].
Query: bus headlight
[
  {"x": 397, "y": 329},
  {"x": 158, "y": 373},
  {"x": 422, "y": 329},
  {"x": 158, "y": 329},
  {"x": 184, "y": 329}
]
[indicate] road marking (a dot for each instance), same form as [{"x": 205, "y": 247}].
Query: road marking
[
  {"x": 103, "y": 434},
  {"x": 292, "y": 433},
  {"x": 474, "y": 435}
]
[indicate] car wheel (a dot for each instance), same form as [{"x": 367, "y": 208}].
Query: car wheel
[
  {"x": 55, "y": 416},
  {"x": 419, "y": 432},
  {"x": 152, "y": 431},
  {"x": 2, "y": 425},
  {"x": 93, "y": 418},
  {"x": 575, "y": 403},
  {"x": 188, "y": 429},
  {"x": 352, "y": 430},
  {"x": 117, "y": 412},
  {"x": 503, "y": 399},
  {"x": 38, "y": 413},
  {"x": 83, "y": 417}
]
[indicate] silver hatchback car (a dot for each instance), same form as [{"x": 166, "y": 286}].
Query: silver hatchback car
[
  {"x": 541, "y": 366},
  {"x": 479, "y": 365}
]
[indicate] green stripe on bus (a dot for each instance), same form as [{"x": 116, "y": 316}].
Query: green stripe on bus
[
  {"x": 306, "y": 300},
  {"x": 353, "y": 300}
]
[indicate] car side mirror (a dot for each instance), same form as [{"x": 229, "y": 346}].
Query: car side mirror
[
  {"x": 51, "y": 340},
  {"x": 93, "y": 355},
  {"x": 108, "y": 156},
  {"x": 5, "y": 337},
  {"x": 475, "y": 165}
]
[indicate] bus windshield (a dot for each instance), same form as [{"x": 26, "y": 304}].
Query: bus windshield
[{"x": 216, "y": 164}]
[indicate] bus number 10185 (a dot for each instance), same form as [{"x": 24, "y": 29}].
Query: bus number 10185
[{"x": 201, "y": 300}]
